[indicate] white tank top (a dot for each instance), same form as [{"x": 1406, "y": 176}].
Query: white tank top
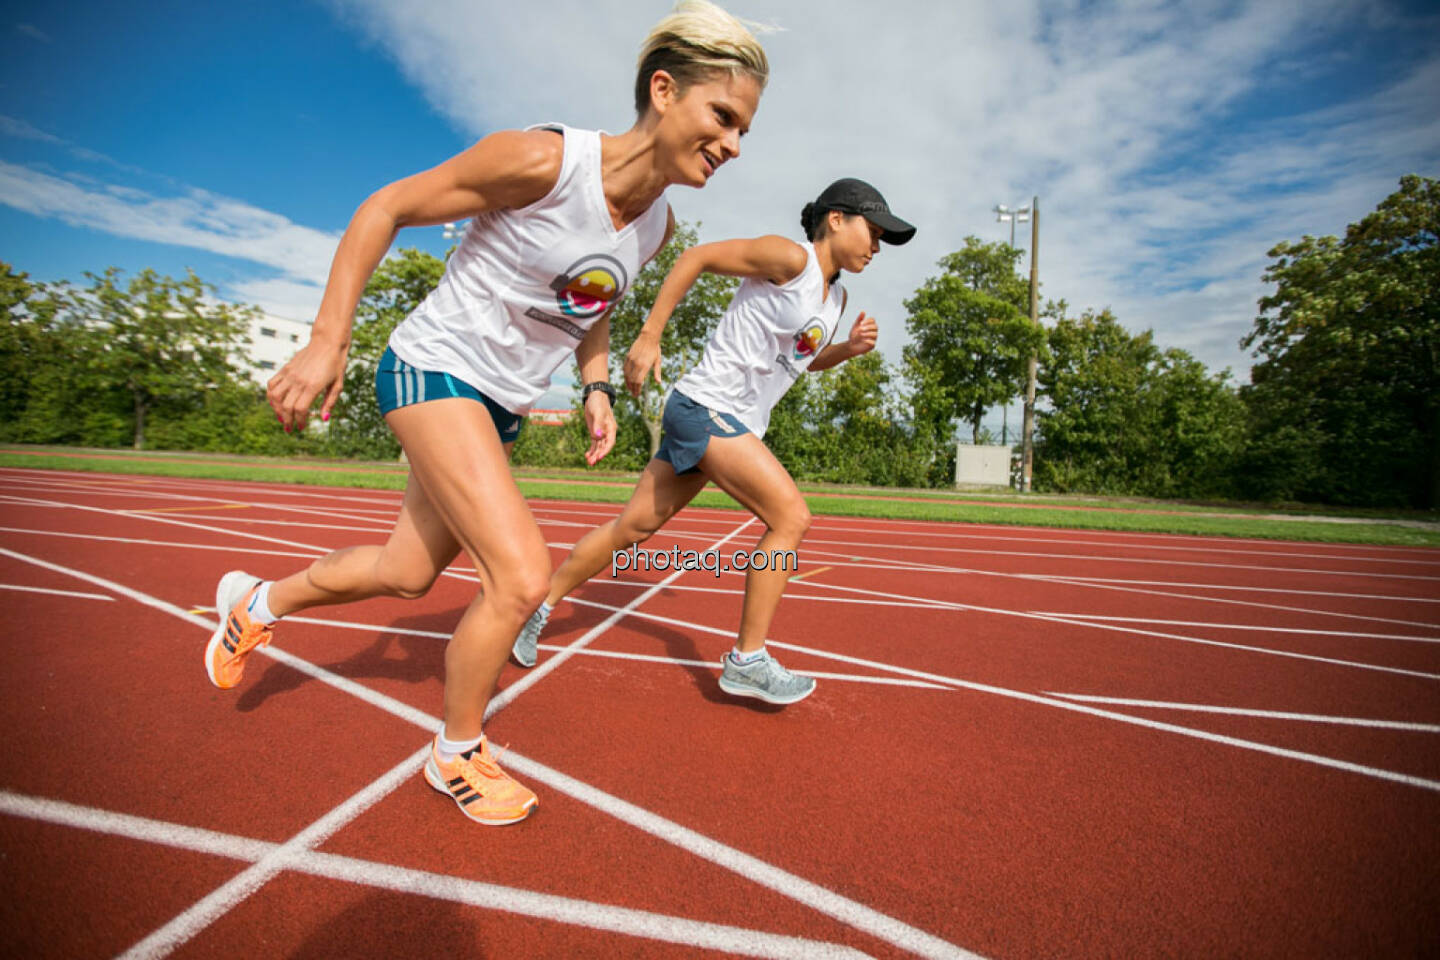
[
  {"x": 524, "y": 285},
  {"x": 768, "y": 336}
]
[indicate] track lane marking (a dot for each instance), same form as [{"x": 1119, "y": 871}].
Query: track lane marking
[
  {"x": 1262, "y": 628},
  {"x": 1022, "y": 695},
  {"x": 591, "y": 652},
  {"x": 842, "y": 908},
  {"x": 709, "y": 515},
  {"x": 161, "y": 543},
  {"x": 544, "y": 906},
  {"x": 22, "y": 588},
  {"x": 1244, "y": 712}
]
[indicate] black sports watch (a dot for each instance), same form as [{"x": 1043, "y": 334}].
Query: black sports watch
[{"x": 601, "y": 385}]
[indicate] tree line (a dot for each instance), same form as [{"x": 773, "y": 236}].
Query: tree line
[{"x": 1343, "y": 405}]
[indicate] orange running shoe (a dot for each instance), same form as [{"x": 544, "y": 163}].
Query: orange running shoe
[
  {"x": 482, "y": 791},
  {"x": 237, "y": 634}
]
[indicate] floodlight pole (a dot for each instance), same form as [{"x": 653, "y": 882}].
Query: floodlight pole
[
  {"x": 1020, "y": 215},
  {"x": 1028, "y": 460}
]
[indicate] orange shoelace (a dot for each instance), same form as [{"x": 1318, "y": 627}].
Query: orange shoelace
[
  {"x": 482, "y": 773},
  {"x": 255, "y": 635}
]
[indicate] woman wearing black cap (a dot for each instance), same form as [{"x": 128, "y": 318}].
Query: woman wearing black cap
[{"x": 779, "y": 324}]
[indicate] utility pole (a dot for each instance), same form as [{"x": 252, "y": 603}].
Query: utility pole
[
  {"x": 1029, "y": 426},
  {"x": 1018, "y": 215}
]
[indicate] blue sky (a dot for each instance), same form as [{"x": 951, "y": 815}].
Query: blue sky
[{"x": 1170, "y": 144}]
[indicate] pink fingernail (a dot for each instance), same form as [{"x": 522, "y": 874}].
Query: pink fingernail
[{"x": 325, "y": 416}]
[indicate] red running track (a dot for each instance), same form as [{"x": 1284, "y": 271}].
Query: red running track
[{"x": 1025, "y": 743}]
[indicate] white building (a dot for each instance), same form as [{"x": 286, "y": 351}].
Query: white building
[{"x": 273, "y": 341}]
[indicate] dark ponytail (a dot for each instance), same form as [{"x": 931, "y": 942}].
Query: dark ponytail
[{"x": 809, "y": 220}]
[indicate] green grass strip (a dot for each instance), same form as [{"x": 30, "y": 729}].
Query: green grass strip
[{"x": 1078, "y": 513}]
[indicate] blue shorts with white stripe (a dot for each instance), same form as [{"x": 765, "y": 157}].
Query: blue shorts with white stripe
[{"x": 397, "y": 384}]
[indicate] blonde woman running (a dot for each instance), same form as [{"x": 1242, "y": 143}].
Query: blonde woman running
[
  {"x": 778, "y": 325},
  {"x": 561, "y": 221}
]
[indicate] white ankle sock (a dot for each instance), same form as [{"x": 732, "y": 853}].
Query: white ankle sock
[
  {"x": 545, "y": 609},
  {"x": 742, "y": 658},
  {"x": 259, "y": 608},
  {"x": 448, "y": 749}
]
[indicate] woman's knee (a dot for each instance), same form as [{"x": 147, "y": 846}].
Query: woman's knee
[
  {"x": 793, "y": 522},
  {"x": 521, "y": 588},
  {"x": 628, "y": 533},
  {"x": 406, "y": 581}
]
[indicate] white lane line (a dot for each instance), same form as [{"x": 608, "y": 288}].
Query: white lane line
[
  {"x": 381, "y": 518},
  {"x": 377, "y": 524},
  {"x": 1057, "y": 578},
  {"x": 1118, "y": 628},
  {"x": 1045, "y": 534},
  {"x": 724, "y": 517},
  {"x": 1262, "y": 628},
  {"x": 224, "y": 898},
  {"x": 179, "y": 836},
  {"x": 1091, "y": 558},
  {"x": 716, "y": 667},
  {"x": 141, "y": 484},
  {"x": 1233, "y": 601},
  {"x": 876, "y": 563},
  {"x": 897, "y": 669},
  {"x": 1060, "y": 704},
  {"x": 903, "y": 597},
  {"x": 790, "y": 593},
  {"x": 392, "y": 505},
  {"x": 789, "y": 885},
  {"x": 1128, "y": 545},
  {"x": 58, "y": 593},
  {"x": 490, "y": 896},
  {"x": 797, "y": 888},
  {"x": 1266, "y": 651},
  {"x": 1241, "y": 712},
  {"x": 156, "y": 518},
  {"x": 172, "y": 544},
  {"x": 1098, "y": 584},
  {"x": 540, "y": 671},
  {"x": 201, "y": 914},
  {"x": 914, "y": 602},
  {"x": 380, "y": 527}
]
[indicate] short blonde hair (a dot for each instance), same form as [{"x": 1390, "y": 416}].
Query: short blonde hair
[{"x": 697, "y": 40}]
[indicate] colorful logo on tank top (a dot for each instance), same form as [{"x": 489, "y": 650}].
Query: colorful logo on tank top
[
  {"x": 809, "y": 340},
  {"x": 590, "y": 286}
]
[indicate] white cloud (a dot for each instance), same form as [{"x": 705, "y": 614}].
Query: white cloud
[
  {"x": 283, "y": 297},
  {"x": 32, "y": 31},
  {"x": 1133, "y": 120},
  {"x": 1114, "y": 113},
  {"x": 198, "y": 219},
  {"x": 11, "y": 127}
]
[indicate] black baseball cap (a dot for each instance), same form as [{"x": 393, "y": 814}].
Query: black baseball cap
[{"x": 856, "y": 196}]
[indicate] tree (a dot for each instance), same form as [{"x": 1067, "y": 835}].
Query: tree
[
  {"x": 22, "y": 341},
  {"x": 1125, "y": 417},
  {"x": 685, "y": 335},
  {"x": 43, "y": 396},
  {"x": 845, "y": 425},
  {"x": 397, "y": 287},
  {"x": 1345, "y": 398},
  {"x": 971, "y": 337},
  {"x": 156, "y": 342}
]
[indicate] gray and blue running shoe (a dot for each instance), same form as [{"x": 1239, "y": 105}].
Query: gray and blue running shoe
[
  {"x": 764, "y": 679},
  {"x": 527, "y": 645}
]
